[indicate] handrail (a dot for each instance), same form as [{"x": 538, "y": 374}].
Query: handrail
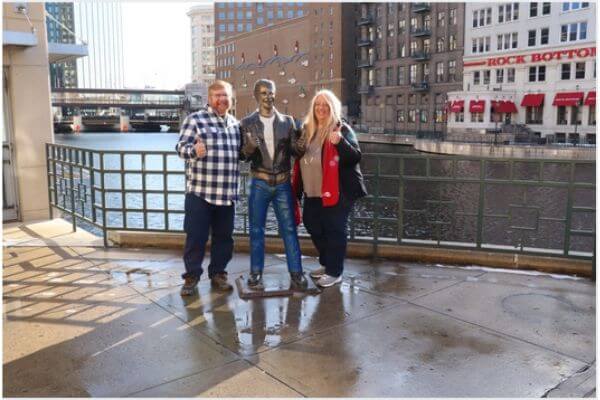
[{"x": 524, "y": 206}]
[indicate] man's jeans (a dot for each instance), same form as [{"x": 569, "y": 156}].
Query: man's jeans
[
  {"x": 261, "y": 195},
  {"x": 200, "y": 216}
]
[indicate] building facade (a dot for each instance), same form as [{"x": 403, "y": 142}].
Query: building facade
[
  {"x": 203, "y": 42},
  {"x": 410, "y": 57},
  {"x": 315, "y": 50},
  {"x": 63, "y": 74},
  {"x": 100, "y": 26},
  {"x": 531, "y": 64}
]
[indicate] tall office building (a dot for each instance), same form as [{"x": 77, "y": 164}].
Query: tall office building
[
  {"x": 313, "y": 50},
  {"x": 410, "y": 57},
  {"x": 100, "y": 25},
  {"x": 529, "y": 63},
  {"x": 62, "y": 74},
  {"x": 203, "y": 44}
]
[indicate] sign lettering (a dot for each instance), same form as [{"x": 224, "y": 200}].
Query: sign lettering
[{"x": 546, "y": 56}]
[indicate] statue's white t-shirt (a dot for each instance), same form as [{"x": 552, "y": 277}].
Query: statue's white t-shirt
[{"x": 268, "y": 134}]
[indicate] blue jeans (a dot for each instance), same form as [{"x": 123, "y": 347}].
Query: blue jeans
[
  {"x": 261, "y": 195},
  {"x": 200, "y": 217}
]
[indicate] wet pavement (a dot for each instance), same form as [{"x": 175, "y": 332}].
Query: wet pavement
[{"x": 81, "y": 320}]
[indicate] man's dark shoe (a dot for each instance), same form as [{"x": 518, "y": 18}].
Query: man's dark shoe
[
  {"x": 219, "y": 282},
  {"x": 189, "y": 286},
  {"x": 255, "y": 281},
  {"x": 298, "y": 281}
]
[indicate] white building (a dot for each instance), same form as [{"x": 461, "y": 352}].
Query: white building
[
  {"x": 203, "y": 43},
  {"x": 100, "y": 24},
  {"x": 528, "y": 63}
]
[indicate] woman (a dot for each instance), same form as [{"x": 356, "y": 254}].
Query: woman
[{"x": 329, "y": 177}]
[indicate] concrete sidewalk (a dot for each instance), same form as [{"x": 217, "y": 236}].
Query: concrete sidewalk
[{"x": 81, "y": 320}]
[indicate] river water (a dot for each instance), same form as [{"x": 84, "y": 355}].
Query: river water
[{"x": 435, "y": 199}]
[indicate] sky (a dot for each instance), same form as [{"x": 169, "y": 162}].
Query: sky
[{"x": 156, "y": 44}]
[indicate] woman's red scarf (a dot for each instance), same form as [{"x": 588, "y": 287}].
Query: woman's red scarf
[{"x": 330, "y": 186}]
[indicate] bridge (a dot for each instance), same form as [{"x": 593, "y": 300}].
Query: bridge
[{"x": 123, "y": 109}]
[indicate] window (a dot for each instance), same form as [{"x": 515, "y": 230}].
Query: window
[
  {"x": 544, "y": 35},
  {"x": 459, "y": 117},
  {"x": 452, "y": 42},
  {"x": 412, "y": 116},
  {"x": 441, "y": 19},
  {"x": 400, "y": 116},
  {"x": 481, "y": 45},
  {"x": 482, "y": 17},
  {"x": 580, "y": 70},
  {"x": 426, "y": 72},
  {"x": 221, "y": 15},
  {"x": 575, "y": 115},
  {"x": 439, "y": 72},
  {"x": 427, "y": 22},
  {"x": 537, "y": 74},
  {"x": 248, "y": 27},
  {"x": 426, "y": 46},
  {"x": 401, "y": 75},
  {"x": 574, "y": 5},
  {"x": 401, "y": 50},
  {"x": 486, "y": 77},
  {"x": 546, "y": 8},
  {"x": 390, "y": 30},
  {"x": 423, "y": 116},
  {"x": 573, "y": 32},
  {"x": 389, "y": 76},
  {"x": 507, "y": 41},
  {"x": 534, "y": 115},
  {"x": 452, "y": 16},
  {"x": 221, "y": 27},
  {"x": 260, "y": 20},
  {"x": 401, "y": 27},
  {"x": 499, "y": 76},
  {"x": 476, "y": 117},
  {"x": 399, "y": 99},
  {"x": 592, "y": 116},
  {"x": 515, "y": 40},
  {"x": 413, "y": 74},
  {"x": 440, "y": 48},
  {"x": 476, "y": 78},
  {"x": 389, "y": 51},
  {"x": 533, "y": 10},
  {"x": 531, "y": 37},
  {"x": 452, "y": 71},
  {"x": 565, "y": 71},
  {"x": 413, "y": 48},
  {"x": 508, "y": 12},
  {"x": 379, "y": 32},
  {"x": 510, "y": 75},
  {"x": 413, "y": 24}
]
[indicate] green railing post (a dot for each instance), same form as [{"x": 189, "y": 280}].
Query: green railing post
[
  {"x": 48, "y": 174},
  {"x": 72, "y": 186}
]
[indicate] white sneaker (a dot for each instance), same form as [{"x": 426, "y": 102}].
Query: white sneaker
[
  {"x": 317, "y": 273},
  {"x": 327, "y": 280}
]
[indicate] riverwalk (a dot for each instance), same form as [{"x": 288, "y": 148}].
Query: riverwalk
[{"x": 83, "y": 320}]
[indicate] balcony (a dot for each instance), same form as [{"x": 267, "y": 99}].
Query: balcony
[
  {"x": 365, "y": 42},
  {"x": 368, "y": 89},
  {"x": 421, "y": 56},
  {"x": 364, "y": 21},
  {"x": 420, "y": 87},
  {"x": 421, "y": 7},
  {"x": 421, "y": 32},
  {"x": 365, "y": 64}
]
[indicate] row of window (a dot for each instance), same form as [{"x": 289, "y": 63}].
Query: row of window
[
  {"x": 271, "y": 14},
  {"x": 535, "y": 74},
  {"x": 535, "y": 116},
  {"x": 510, "y": 12},
  {"x": 227, "y": 48},
  {"x": 226, "y": 62},
  {"x": 259, "y": 6},
  {"x": 568, "y": 33},
  {"x": 394, "y": 76}
]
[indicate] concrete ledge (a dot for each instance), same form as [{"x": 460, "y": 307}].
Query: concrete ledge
[
  {"x": 554, "y": 265},
  {"x": 386, "y": 138},
  {"x": 506, "y": 151}
]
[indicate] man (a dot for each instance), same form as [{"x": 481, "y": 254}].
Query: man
[
  {"x": 270, "y": 140},
  {"x": 210, "y": 145}
]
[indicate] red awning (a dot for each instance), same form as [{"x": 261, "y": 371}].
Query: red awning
[
  {"x": 590, "y": 100},
  {"x": 457, "y": 106},
  {"x": 504, "y": 106},
  {"x": 568, "y": 99},
  {"x": 476, "y": 106},
  {"x": 533, "y": 100}
]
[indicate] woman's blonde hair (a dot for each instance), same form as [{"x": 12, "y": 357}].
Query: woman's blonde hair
[{"x": 335, "y": 115}]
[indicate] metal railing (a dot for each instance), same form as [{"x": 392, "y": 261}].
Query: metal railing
[{"x": 543, "y": 207}]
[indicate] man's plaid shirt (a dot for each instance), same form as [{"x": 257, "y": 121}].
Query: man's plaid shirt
[{"x": 215, "y": 177}]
